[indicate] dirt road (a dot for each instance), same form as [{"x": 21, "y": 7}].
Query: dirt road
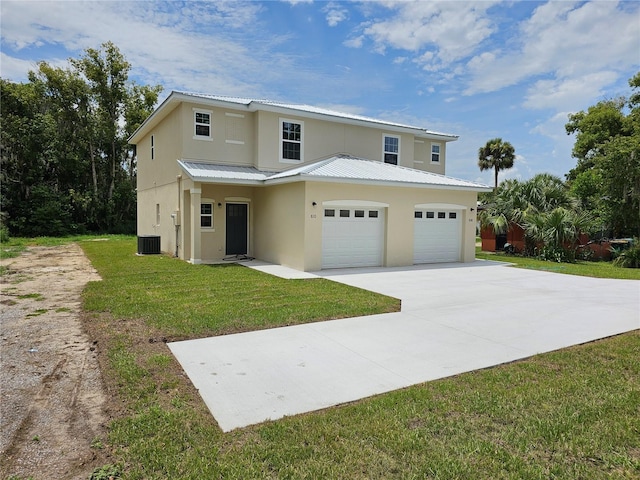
[{"x": 52, "y": 397}]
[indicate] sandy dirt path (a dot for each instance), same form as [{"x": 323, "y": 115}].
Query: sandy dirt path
[{"x": 52, "y": 399}]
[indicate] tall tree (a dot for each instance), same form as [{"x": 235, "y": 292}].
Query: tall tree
[
  {"x": 107, "y": 72},
  {"x": 66, "y": 164},
  {"x": 607, "y": 147},
  {"x": 496, "y": 155}
]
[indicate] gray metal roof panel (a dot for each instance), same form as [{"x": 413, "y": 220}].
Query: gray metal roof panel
[
  {"x": 212, "y": 172},
  {"x": 348, "y": 167},
  {"x": 343, "y": 168},
  {"x": 313, "y": 110}
]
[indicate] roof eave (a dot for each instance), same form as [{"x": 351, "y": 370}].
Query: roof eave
[
  {"x": 227, "y": 181},
  {"x": 383, "y": 183},
  {"x": 175, "y": 98},
  {"x": 389, "y": 126}
]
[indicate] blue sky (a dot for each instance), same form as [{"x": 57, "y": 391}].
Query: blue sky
[{"x": 475, "y": 69}]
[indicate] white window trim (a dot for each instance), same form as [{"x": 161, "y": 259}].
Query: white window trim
[
  {"x": 439, "y": 162},
  {"x": 208, "y": 138},
  {"x": 280, "y": 140},
  {"x": 153, "y": 156},
  {"x": 388, "y": 135},
  {"x": 212, "y": 228}
]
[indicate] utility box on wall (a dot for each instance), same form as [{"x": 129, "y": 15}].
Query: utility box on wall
[{"x": 148, "y": 244}]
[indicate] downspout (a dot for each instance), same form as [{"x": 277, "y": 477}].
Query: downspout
[{"x": 179, "y": 213}]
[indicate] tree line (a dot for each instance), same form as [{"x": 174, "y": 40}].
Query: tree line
[
  {"x": 66, "y": 166},
  {"x": 600, "y": 197}
]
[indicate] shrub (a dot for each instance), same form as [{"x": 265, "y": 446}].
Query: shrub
[
  {"x": 630, "y": 257},
  {"x": 4, "y": 234}
]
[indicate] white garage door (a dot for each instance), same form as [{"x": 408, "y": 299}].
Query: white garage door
[
  {"x": 352, "y": 237},
  {"x": 437, "y": 236}
]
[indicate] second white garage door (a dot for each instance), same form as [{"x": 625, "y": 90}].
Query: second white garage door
[
  {"x": 437, "y": 236},
  {"x": 352, "y": 237}
]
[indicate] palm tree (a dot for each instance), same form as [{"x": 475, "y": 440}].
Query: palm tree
[
  {"x": 496, "y": 155},
  {"x": 542, "y": 206}
]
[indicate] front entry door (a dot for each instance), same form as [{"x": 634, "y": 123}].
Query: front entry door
[{"x": 237, "y": 228}]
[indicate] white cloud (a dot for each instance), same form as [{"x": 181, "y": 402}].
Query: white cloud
[
  {"x": 562, "y": 39},
  {"x": 181, "y": 50},
  {"x": 448, "y": 31},
  {"x": 354, "y": 42},
  {"x": 553, "y": 128},
  {"x": 568, "y": 94},
  {"x": 15, "y": 69},
  {"x": 336, "y": 13}
]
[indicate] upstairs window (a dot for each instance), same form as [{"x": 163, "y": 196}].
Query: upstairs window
[
  {"x": 391, "y": 149},
  {"x": 435, "y": 153},
  {"x": 153, "y": 153},
  {"x": 291, "y": 140},
  {"x": 202, "y": 124}
]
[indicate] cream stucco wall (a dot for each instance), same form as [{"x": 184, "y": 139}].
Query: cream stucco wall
[
  {"x": 232, "y": 136},
  {"x": 285, "y": 227},
  {"x": 322, "y": 139},
  {"x": 162, "y": 199},
  {"x": 399, "y": 217},
  {"x": 422, "y": 156},
  {"x": 280, "y": 224},
  {"x": 157, "y": 186},
  {"x": 168, "y": 147}
]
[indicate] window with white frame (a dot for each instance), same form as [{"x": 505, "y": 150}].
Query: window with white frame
[
  {"x": 391, "y": 149},
  {"x": 291, "y": 135},
  {"x": 435, "y": 153},
  {"x": 206, "y": 214},
  {"x": 202, "y": 124},
  {"x": 152, "y": 148}
]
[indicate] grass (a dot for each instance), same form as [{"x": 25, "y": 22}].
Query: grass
[
  {"x": 16, "y": 245},
  {"x": 564, "y": 415},
  {"x": 184, "y": 300},
  {"x": 582, "y": 268}
]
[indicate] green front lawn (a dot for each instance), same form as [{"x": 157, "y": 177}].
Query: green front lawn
[
  {"x": 185, "y": 301},
  {"x": 583, "y": 268},
  {"x": 568, "y": 414}
]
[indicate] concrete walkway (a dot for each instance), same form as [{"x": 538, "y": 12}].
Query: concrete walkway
[{"x": 455, "y": 318}]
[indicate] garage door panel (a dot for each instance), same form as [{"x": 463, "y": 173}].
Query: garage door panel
[
  {"x": 437, "y": 237},
  {"x": 352, "y": 241}
]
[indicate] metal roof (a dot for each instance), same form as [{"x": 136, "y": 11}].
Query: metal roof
[
  {"x": 338, "y": 168},
  {"x": 252, "y": 105},
  {"x": 209, "y": 172},
  {"x": 261, "y": 104}
]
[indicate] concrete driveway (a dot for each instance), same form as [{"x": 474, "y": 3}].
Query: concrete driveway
[{"x": 455, "y": 318}]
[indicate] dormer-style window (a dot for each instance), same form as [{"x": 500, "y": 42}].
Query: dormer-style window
[
  {"x": 391, "y": 149},
  {"x": 291, "y": 135},
  {"x": 202, "y": 124},
  {"x": 435, "y": 153}
]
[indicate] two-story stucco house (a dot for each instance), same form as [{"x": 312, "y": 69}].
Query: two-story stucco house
[{"x": 299, "y": 186}]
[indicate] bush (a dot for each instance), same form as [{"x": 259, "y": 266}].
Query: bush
[
  {"x": 630, "y": 257},
  {"x": 556, "y": 254},
  {"x": 44, "y": 213},
  {"x": 4, "y": 234}
]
